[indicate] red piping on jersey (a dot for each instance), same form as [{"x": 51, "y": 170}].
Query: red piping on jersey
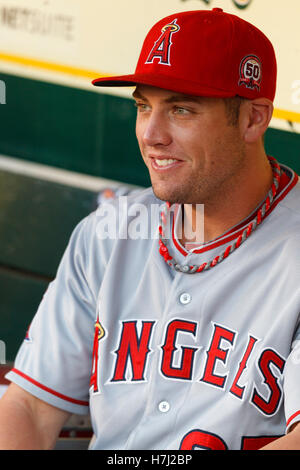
[
  {"x": 286, "y": 185},
  {"x": 292, "y": 417},
  {"x": 49, "y": 390}
]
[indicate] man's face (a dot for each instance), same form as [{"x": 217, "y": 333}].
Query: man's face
[{"x": 191, "y": 151}]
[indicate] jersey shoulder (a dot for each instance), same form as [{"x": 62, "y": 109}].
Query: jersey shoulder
[
  {"x": 286, "y": 218},
  {"x": 107, "y": 224},
  {"x": 143, "y": 196}
]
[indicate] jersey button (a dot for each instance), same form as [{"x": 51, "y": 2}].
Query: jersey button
[
  {"x": 164, "y": 406},
  {"x": 185, "y": 298}
]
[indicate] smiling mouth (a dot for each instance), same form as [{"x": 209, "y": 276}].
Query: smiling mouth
[
  {"x": 160, "y": 163},
  {"x": 165, "y": 161}
]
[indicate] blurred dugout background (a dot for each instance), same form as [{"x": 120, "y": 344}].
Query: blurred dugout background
[{"x": 63, "y": 141}]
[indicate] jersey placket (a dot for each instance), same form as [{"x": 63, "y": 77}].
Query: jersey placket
[{"x": 164, "y": 401}]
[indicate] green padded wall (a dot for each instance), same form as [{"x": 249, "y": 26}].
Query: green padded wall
[
  {"x": 89, "y": 132},
  {"x": 36, "y": 221},
  {"x": 69, "y": 128}
]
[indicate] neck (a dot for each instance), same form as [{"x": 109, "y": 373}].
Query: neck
[{"x": 233, "y": 202}]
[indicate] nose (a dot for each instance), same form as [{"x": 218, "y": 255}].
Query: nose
[{"x": 155, "y": 130}]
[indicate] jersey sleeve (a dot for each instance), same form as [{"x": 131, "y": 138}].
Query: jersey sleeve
[
  {"x": 54, "y": 361},
  {"x": 292, "y": 384}
]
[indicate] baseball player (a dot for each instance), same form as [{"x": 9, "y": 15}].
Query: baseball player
[{"x": 171, "y": 341}]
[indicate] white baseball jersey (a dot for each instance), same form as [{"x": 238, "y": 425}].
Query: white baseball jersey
[{"x": 167, "y": 360}]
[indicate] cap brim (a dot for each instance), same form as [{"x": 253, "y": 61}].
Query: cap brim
[
  {"x": 174, "y": 84},
  {"x": 121, "y": 80}
]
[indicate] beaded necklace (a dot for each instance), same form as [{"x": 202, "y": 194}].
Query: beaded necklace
[{"x": 267, "y": 203}]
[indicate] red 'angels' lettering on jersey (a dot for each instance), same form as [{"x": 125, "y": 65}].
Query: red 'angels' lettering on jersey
[
  {"x": 161, "y": 48},
  {"x": 216, "y": 353},
  {"x": 236, "y": 389},
  {"x": 269, "y": 406},
  {"x": 177, "y": 360},
  {"x": 184, "y": 371},
  {"x": 133, "y": 348}
]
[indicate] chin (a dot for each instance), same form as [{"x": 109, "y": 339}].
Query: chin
[
  {"x": 159, "y": 194},
  {"x": 173, "y": 197}
]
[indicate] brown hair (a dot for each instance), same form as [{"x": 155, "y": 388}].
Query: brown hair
[{"x": 232, "y": 109}]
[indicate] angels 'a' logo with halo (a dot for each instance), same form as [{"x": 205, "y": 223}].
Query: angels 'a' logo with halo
[
  {"x": 161, "y": 48},
  {"x": 250, "y": 72}
]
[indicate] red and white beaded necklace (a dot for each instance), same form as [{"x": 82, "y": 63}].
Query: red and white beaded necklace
[{"x": 260, "y": 214}]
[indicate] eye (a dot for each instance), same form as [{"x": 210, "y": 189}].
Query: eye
[
  {"x": 181, "y": 110},
  {"x": 141, "y": 107}
]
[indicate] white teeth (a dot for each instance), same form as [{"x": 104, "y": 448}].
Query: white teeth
[{"x": 164, "y": 162}]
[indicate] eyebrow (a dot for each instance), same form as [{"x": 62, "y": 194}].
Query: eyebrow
[{"x": 178, "y": 97}]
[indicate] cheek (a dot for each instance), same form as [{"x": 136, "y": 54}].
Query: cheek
[
  {"x": 191, "y": 143},
  {"x": 139, "y": 134},
  {"x": 138, "y": 130}
]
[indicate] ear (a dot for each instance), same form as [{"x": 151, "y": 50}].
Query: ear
[{"x": 257, "y": 116}]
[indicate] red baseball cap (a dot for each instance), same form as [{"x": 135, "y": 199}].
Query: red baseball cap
[{"x": 204, "y": 53}]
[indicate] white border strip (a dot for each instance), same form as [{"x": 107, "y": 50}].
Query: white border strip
[
  {"x": 3, "y": 389},
  {"x": 58, "y": 175}
]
